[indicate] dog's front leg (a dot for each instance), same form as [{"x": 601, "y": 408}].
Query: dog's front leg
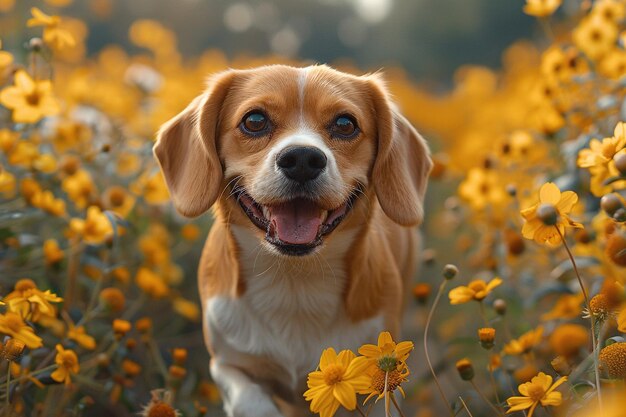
[{"x": 242, "y": 397}]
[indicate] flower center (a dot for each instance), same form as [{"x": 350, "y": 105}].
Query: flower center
[
  {"x": 608, "y": 150},
  {"x": 387, "y": 363},
  {"x": 596, "y": 36},
  {"x": 333, "y": 374},
  {"x": 536, "y": 392},
  {"x": 394, "y": 379},
  {"x": 33, "y": 98},
  {"x": 68, "y": 360}
]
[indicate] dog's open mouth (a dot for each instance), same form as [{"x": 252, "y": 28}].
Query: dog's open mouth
[{"x": 294, "y": 227}]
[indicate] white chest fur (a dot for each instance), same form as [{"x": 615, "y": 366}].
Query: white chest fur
[{"x": 292, "y": 309}]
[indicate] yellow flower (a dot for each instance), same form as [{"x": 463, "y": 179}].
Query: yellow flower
[
  {"x": 594, "y": 36},
  {"x": 568, "y": 306},
  {"x": 23, "y": 154},
  {"x": 53, "y": 34},
  {"x": 476, "y": 290},
  {"x": 568, "y": 339},
  {"x": 152, "y": 188},
  {"x": 482, "y": 188},
  {"x": 95, "y": 229},
  {"x": 601, "y": 153},
  {"x": 52, "y": 252},
  {"x": 116, "y": 199},
  {"x": 13, "y": 325},
  {"x": 79, "y": 187},
  {"x": 7, "y": 183},
  {"x": 67, "y": 364},
  {"x": 387, "y": 361},
  {"x": 151, "y": 283},
  {"x": 336, "y": 382},
  {"x": 46, "y": 201},
  {"x": 525, "y": 342},
  {"x": 187, "y": 309},
  {"x": 562, "y": 203},
  {"x": 79, "y": 334},
  {"x": 6, "y": 59},
  {"x": 30, "y": 302},
  {"x": 387, "y": 355},
  {"x": 610, "y": 10},
  {"x": 540, "y": 390},
  {"x": 541, "y": 8},
  {"x": 29, "y": 99},
  {"x": 600, "y": 159}
]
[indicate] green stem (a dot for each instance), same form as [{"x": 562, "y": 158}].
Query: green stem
[
  {"x": 595, "y": 343},
  {"x": 430, "y": 365}
]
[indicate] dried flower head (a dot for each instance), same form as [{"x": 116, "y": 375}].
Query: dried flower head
[{"x": 613, "y": 360}]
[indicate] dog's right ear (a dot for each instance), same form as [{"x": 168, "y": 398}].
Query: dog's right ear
[{"x": 186, "y": 150}]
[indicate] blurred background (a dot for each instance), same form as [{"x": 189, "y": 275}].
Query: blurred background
[{"x": 429, "y": 38}]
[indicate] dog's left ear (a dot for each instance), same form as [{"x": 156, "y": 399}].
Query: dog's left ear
[{"x": 402, "y": 163}]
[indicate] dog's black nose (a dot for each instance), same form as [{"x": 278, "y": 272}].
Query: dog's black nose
[{"x": 301, "y": 163}]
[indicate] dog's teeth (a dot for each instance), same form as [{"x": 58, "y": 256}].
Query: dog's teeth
[
  {"x": 266, "y": 212},
  {"x": 324, "y": 215}
]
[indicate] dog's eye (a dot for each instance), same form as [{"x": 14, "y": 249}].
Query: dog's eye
[
  {"x": 344, "y": 127},
  {"x": 254, "y": 123}
]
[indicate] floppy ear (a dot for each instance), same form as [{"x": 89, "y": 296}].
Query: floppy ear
[
  {"x": 402, "y": 164},
  {"x": 186, "y": 150}
]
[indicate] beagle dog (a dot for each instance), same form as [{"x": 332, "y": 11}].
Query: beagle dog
[{"x": 316, "y": 183}]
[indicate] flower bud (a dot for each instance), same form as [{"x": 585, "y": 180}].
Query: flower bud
[
  {"x": 450, "y": 271},
  {"x": 620, "y": 164},
  {"x": 121, "y": 327},
  {"x": 499, "y": 306},
  {"x": 487, "y": 336},
  {"x": 179, "y": 355},
  {"x": 547, "y": 214},
  {"x": 560, "y": 365},
  {"x": 511, "y": 190},
  {"x": 616, "y": 248},
  {"x": 35, "y": 44},
  {"x": 620, "y": 215},
  {"x": 466, "y": 369},
  {"x": 143, "y": 325},
  {"x": 421, "y": 292},
  {"x": 610, "y": 203}
]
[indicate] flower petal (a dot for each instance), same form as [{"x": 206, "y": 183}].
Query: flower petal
[
  {"x": 344, "y": 392},
  {"x": 549, "y": 193}
]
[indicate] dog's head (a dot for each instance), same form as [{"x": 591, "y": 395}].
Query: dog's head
[{"x": 292, "y": 152}]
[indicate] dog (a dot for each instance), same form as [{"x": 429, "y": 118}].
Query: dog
[{"x": 317, "y": 185}]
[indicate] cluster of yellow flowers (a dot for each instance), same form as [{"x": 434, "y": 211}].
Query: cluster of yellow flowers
[
  {"x": 340, "y": 377},
  {"x": 539, "y": 149},
  {"x": 84, "y": 214}
]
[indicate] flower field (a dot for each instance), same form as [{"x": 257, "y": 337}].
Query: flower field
[{"x": 520, "y": 304}]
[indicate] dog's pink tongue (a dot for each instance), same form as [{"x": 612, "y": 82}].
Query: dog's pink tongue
[{"x": 296, "y": 222}]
